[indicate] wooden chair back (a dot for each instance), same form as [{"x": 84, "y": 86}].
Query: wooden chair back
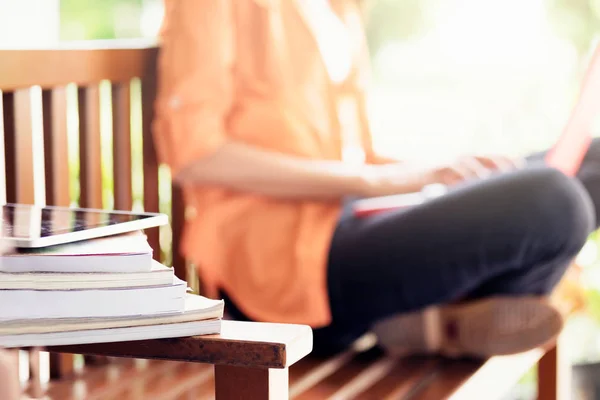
[{"x": 85, "y": 96}]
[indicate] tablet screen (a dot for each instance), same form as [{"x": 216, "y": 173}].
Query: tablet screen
[{"x": 32, "y": 222}]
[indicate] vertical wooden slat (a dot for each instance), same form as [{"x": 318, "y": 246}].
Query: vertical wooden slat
[
  {"x": 548, "y": 376},
  {"x": 10, "y": 189},
  {"x": 56, "y": 163},
  {"x": 56, "y": 150},
  {"x": 90, "y": 159},
  {"x": 151, "y": 193},
  {"x": 554, "y": 375},
  {"x": 61, "y": 365},
  {"x": 250, "y": 383},
  {"x": 10, "y": 162},
  {"x": 151, "y": 196},
  {"x": 2, "y": 156},
  {"x": 35, "y": 384},
  {"x": 121, "y": 112},
  {"x": 24, "y": 148},
  {"x": 177, "y": 224},
  {"x": 89, "y": 147},
  {"x": 25, "y": 176}
]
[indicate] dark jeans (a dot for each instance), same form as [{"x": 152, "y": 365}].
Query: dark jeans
[{"x": 511, "y": 234}]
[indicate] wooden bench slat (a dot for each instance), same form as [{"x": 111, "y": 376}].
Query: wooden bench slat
[
  {"x": 193, "y": 394},
  {"x": 102, "y": 382},
  {"x": 56, "y": 148},
  {"x": 8, "y": 118},
  {"x": 90, "y": 162},
  {"x": 61, "y": 365},
  {"x": 176, "y": 379},
  {"x": 194, "y": 379},
  {"x": 90, "y": 166},
  {"x": 81, "y": 63},
  {"x": 203, "y": 390},
  {"x": 206, "y": 391},
  {"x": 121, "y": 109},
  {"x": 56, "y": 166},
  {"x": 468, "y": 379},
  {"x": 367, "y": 378},
  {"x": 303, "y": 368},
  {"x": 448, "y": 377},
  {"x": 35, "y": 386},
  {"x": 2, "y": 152},
  {"x": 311, "y": 371},
  {"x": 344, "y": 372},
  {"x": 402, "y": 379},
  {"x": 150, "y": 166},
  {"x": 177, "y": 225},
  {"x": 132, "y": 379},
  {"x": 23, "y": 148}
]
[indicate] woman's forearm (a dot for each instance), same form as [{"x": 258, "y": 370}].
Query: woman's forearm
[{"x": 247, "y": 168}]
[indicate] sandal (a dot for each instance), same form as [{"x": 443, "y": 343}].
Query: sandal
[{"x": 482, "y": 328}]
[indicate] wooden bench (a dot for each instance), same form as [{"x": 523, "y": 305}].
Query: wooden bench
[{"x": 99, "y": 78}]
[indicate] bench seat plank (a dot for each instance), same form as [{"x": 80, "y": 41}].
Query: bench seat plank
[
  {"x": 130, "y": 379},
  {"x": 360, "y": 377},
  {"x": 405, "y": 377},
  {"x": 345, "y": 373},
  {"x": 468, "y": 379}
]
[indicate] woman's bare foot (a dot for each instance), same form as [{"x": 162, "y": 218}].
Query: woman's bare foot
[{"x": 482, "y": 328}]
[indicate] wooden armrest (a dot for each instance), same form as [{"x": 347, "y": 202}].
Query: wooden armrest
[{"x": 241, "y": 344}]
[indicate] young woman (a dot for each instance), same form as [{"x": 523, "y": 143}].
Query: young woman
[{"x": 261, "y": 117}]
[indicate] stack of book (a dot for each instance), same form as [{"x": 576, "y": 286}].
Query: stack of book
[{"x": 102, "y": 290}]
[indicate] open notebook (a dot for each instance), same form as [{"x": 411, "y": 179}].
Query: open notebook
[{"x": 566, "y": 155}]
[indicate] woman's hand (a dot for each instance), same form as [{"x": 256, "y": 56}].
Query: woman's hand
[
  {"x": 389, "y": 179},
  {"x": 473, "y": 167}
]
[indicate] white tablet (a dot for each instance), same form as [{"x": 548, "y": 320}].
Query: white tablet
[{"x": 35, "y": 226}]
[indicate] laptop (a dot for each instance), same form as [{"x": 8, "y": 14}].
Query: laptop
[{"x": 566, "y": 155}]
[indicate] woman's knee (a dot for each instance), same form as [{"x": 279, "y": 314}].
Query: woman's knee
[
  {"x": 589, "y": 176},
  {"x": 564, "y": 208}
]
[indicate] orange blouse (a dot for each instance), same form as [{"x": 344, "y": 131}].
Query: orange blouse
[{"x": 252, "y": 71}]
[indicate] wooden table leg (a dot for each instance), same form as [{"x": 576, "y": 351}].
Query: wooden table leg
[
  {"x": 554, "y": 376},
  {"x": 236, "y": 383}
]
